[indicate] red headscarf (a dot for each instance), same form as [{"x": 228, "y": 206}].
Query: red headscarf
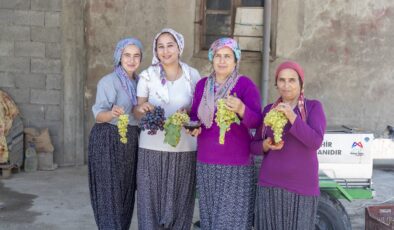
[{"x": 301, "y": 99}]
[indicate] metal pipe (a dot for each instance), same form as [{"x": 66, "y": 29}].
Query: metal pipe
[{"x": 266, "y": 50}]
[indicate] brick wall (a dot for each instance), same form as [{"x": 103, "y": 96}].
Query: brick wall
[{"x": 30, "y": 63}]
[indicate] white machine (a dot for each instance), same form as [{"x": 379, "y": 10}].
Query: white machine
[{"x": 346, "y": 157}]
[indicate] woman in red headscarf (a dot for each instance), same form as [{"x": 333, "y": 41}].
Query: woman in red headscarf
[{"x": 288, "y": 186}]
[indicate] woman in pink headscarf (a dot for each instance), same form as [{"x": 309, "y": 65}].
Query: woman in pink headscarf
[{"x": 288, "y": 186}]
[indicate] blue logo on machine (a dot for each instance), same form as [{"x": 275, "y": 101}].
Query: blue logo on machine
[{"x": 357, "y": 149}]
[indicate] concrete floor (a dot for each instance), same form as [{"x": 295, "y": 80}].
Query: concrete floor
[{"x": 59, "y": 200}]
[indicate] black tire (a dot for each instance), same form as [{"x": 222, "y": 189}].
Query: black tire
[{"x": 331, "y": 215}]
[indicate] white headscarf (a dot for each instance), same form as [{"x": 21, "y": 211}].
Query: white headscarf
[{"x": 178, "y": 38}]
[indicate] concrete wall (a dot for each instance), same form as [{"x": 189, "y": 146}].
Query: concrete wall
[
  {"x": 30, "y": 63},
  {"x": 346, "y": 48},
  {"x": 42, "y": 65}
]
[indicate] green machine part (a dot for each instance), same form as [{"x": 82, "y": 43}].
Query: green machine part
[{"x": 331, "y": 187}]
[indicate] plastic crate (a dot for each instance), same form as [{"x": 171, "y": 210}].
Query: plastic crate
[{"x": 379, "y": 217}]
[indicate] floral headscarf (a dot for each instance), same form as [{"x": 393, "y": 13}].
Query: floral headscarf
[
  {"x": 127, "y": 84},
  {"x": 212, "y": 93}
]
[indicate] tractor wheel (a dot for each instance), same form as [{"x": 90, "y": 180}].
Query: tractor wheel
[{"x": 331, "y": 215}]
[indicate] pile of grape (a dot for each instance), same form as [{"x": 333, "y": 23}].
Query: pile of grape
[
  {"x": 123, "y": 121},
  {"x": 224, "y": 119},
  {"x": 277, "y": 121},
  {"x": 173, "y": 126},
  {"x": 153, "y": 121}
]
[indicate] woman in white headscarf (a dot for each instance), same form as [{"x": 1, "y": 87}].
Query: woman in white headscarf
[{"x": 166, "y": 174}]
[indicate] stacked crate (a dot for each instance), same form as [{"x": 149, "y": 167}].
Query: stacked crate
[{"x": 248, "y": 29}]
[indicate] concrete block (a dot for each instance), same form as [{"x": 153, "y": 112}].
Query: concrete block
[
  {"x": 54, "y": 81},
  {"x": 249, "y": 15},
  {"x": 32, "y": 112},
  {"x": 248, "y": 30},
  {"x": 15, "y": 64},
  {"x": 29, "y": 49},
  {"x": 57, "y": 142},
  {"x": 6, "y": 16},
  {"x": 250, "y": 43},
  {"x": 31, "y": 18},
  {"x": 29, "y": 80},
  {"x": 45, "y": 34},
  {"x": 15, "y": 4},
  {"x": 18, "y": 95},
  {"x": 44, "y": 97},
  {"x": 46, "y": 5},
  {"x": 39, "y": 65},
  {"x": 6, "y": 48},
  {"x": 16, "y": 33},
  {"x": 6, "y": 80},
  {"x": 53, "y": 113},
  {"x": 52, "y": 19},
  {"x": 53, "y": 50}
]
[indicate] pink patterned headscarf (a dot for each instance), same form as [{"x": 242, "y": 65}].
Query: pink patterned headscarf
[{"x": 212, "y": 93}]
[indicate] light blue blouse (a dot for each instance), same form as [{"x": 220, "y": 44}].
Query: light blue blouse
[{"x": 110, "y": 92}]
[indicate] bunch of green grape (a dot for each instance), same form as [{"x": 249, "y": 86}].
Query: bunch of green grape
[
  {"x": 123, "y": 121},
  {"x": 173, "y": 126},
  {"x": 277, "y": 121},
  {"x": 224, "y": 119}
]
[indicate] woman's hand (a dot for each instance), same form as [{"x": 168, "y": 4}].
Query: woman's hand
[
  {"x": 235, "y": 104},
  {"x": 287, "y": 110},
  {"x": 268, "y": 144},
  {"x": 144, "y": 107},
  {"x": 116, "y": 111},
  {"x": 195, "y": 132}
]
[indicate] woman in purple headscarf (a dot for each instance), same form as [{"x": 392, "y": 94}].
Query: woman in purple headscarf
[
  {"x": 288, "y": 186},
  {"x": 166, "y": 174},
  {"x": 112, "y": 164},
  {"x": 225, "y": 173}
]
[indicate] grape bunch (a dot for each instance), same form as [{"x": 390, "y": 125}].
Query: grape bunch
[
  {"x": 153, "y": 121},
  {"x": 277, "y": 121},
  {"x": 224, "y": 119},
  {"x": 173, "y": 126},
  {"x": 123, "y": 121}
]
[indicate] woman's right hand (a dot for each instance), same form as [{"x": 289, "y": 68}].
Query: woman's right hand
[
  {"x": 268, "y": 144},
  {"x": 195, "y": 132},
  {"x": 145, "y": 107},
  {"x": 116, "y": 111}
]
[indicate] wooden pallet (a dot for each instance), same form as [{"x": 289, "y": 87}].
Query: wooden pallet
[{"x": 7, "y": 169}]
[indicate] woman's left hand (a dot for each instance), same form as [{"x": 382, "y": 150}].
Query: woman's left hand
[
  {"x": 287, "y": 110},
  {"x": 235, "y": 104}
]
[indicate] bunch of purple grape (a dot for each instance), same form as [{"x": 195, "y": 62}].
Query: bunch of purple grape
[{"x": 153, "y": 121}]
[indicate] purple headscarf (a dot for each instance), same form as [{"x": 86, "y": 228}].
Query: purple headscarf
[
  {"x": 212, "y": 93},
  {"x": 127, "y": 84}
]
